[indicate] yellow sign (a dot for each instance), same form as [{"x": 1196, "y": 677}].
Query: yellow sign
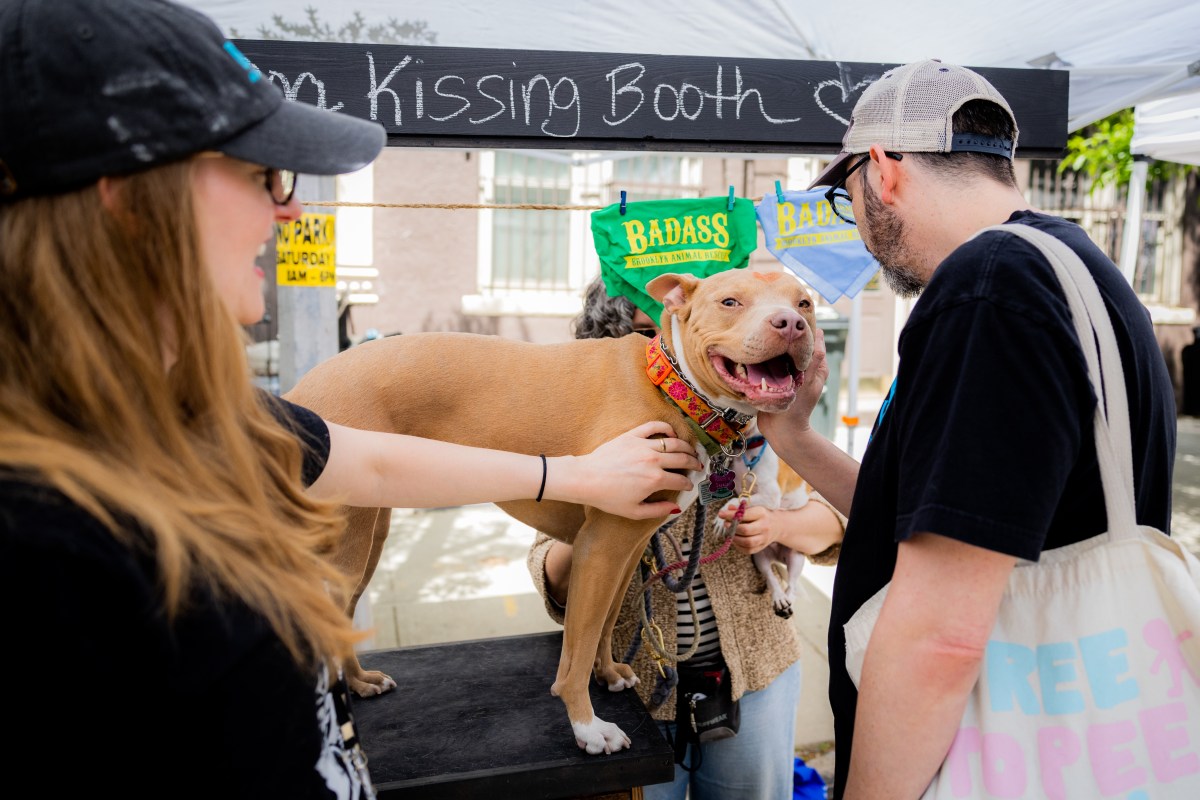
[{"x": 306, "y": 251}]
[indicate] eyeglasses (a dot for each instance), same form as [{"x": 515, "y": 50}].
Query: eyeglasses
[
  {"x": 279, "y": 183},
  {"x": 649, "y": 333},
  {"x": 839, "y": 200}
]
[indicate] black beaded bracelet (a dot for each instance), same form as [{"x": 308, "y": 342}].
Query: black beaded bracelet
[{"x": 542, "y": 488}]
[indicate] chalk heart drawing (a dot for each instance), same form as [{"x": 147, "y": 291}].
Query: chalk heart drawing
[{"x": 843, "y": 99}]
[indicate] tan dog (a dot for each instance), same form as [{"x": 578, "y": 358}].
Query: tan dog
[{"x": 742, "y": 339}]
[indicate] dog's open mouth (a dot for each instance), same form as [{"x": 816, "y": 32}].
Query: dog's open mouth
[{"x": 771, "y": 383}]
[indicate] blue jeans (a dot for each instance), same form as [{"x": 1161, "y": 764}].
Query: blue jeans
[{"x": 757, "y": 764}]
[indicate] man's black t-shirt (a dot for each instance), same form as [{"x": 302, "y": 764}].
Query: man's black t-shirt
[
  {"x": 105, "y": 695},
  {"x": 988, "y": 436}
]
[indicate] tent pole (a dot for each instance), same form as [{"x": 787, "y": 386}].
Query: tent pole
[
  {"x": 1131, "y": 236},
  {"x": 852, "y": 378}
]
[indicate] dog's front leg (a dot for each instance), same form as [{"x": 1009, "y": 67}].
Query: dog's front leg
[
  {"x": 599, "y": 575},
  {"x": 616, "y": 675}
]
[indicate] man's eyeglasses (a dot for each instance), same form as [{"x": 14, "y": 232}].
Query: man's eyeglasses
[
  {"x": 839, "y": 200},
  {"x": 279, "y": 183},
  {"x": 649, "y": 333}
]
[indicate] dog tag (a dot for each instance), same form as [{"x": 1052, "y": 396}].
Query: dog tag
[{"x": 719, "y": 485}]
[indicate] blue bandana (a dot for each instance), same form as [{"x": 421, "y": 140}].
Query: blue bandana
[{"x": 811, "y": 241}]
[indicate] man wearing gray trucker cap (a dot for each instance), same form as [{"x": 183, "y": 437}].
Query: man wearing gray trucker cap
[{"x": 983, "y": 452}]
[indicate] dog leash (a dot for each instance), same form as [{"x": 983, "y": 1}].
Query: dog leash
[
  {"x": 648, "y": 631},
  {"x": 708, "y": 559}
]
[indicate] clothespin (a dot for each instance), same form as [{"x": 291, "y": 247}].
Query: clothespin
[
  {"x": 623, "y": 203},
  {"x": 729, "y": 205},
  {"x": 778, "y": 192}
]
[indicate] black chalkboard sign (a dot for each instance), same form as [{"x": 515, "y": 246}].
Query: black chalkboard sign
[{"x": 472, "y": 97}]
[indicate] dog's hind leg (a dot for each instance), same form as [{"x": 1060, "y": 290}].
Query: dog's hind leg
[
  {"x": 781, "y": 601},
  {"x": 795, "y": 561},
  {"x": 357, "y": 555}
]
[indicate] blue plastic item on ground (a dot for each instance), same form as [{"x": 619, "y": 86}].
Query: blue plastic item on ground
[{"x": 807, "y": 783}]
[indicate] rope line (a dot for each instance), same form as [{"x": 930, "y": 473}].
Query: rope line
[{"x": 518, "y": 206}]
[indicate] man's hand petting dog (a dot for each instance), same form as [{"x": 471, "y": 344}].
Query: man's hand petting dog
[{"x": 797, "y": 417}]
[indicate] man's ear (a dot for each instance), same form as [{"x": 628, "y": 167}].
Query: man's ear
[
  {"x": 890, "y": 173},
  {"x": 672, "y": 290}
]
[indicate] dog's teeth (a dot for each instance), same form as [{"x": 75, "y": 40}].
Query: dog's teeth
[
  {"x": 740, "y": 371},
  {"x": 764, "y": 384}
]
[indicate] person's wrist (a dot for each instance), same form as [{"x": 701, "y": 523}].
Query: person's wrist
[{"x": 561, "y": 483}]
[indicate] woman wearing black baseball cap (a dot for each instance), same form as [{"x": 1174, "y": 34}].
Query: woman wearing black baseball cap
[{"x": 174, "y": 628}]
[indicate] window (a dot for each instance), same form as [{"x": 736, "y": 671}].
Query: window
[
  {"x": 530, "y": 249},
  {"x": 538, "y": 261}
]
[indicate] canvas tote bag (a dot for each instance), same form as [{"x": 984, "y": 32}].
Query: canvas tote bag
[{"x": 1090, "y": 686}]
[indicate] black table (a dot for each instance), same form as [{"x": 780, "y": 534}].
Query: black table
[{"x": 476, "y": 719}]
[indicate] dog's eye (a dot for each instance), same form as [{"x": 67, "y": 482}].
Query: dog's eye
[
  {"x": 730, "y": 302},
  {"x": 804, "y": 304}
]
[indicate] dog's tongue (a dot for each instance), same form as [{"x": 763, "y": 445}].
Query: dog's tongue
[{"x": 774, "y": 372}]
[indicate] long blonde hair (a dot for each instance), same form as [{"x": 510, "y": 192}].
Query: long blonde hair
[{"x": 88, "y": 297}]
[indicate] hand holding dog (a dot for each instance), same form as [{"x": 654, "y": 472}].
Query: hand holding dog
[
  {"x": 760, "y": 526},
  {"x": 618, "y": 475},
  {"x": 811, "y": 528}
]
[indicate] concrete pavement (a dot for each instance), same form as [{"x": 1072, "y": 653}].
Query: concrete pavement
[{"x": 1185, "y": 498}]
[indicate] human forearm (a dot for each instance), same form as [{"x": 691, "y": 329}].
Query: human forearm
[
  {"x": 549, "y": 573},
  {"x": 389, "y": 470},
  {"x": 812, "y": 528},
  {"x": 904, "y": 681},
  {"x": 824, "y": 465},
  {"x": 558, "y": 572}
]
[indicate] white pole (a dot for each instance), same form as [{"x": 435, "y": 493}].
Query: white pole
[
  {"x": 850, "y": 419},
  {"x": 1131, "y": 238}
]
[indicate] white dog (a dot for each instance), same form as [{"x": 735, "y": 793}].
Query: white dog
[{"x": 775, "y": 486}]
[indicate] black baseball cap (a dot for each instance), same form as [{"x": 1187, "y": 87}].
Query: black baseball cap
[{"x": 90, "y": 88}]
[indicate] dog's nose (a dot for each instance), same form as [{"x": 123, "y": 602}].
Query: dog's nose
[{"x": 789, "y": 323}]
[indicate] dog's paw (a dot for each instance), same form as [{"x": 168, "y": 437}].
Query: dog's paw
[
  {"x": 371, "y": 683},
  {"x": 783, "y": 608},
  {"x": 623, "y": 684},
  {"x": 599, "y": 736},
  {"x": 721, "y": 526},
  {"x": 617, "y": 677}
]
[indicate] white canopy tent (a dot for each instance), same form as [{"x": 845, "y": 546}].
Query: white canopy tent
[
  {"x": 1119, "y": 53},
  {"x": 1168, "y": 129}
]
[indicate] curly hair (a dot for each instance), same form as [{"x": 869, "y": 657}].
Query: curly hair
[{"x": 603, "y": 316}]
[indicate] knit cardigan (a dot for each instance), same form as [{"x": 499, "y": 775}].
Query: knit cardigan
[{"x": 757, "y": 645}]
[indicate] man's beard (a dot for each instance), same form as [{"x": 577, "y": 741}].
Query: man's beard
[{"x": 885, "y": 230}]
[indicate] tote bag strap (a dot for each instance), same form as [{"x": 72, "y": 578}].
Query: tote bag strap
[{"x": 1114, "y": 448}]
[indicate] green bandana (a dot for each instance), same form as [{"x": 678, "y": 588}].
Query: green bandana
[{"x": 696, "y": 236}]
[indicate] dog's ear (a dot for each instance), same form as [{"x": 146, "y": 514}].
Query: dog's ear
[{"x": 672, "y": 290}]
